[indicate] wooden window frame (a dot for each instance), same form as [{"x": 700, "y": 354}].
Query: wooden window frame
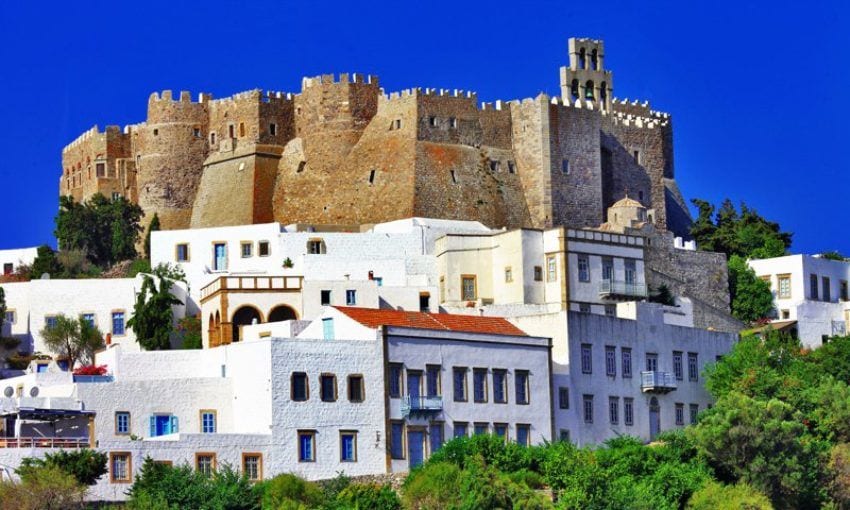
[
  {"x": 268, "y": 248},
  {"x": 551, "y": 261},
  {"x": 129, "y": 423},
  {"x": 465, "y": 371},
  {"x": 201, "y": 414},
  {"x": 177, "y": 252},
  {"x": 506, "y": 437},
  {"x": 292, "y": 387},
  {"x": 486, "y": 398},
  {"x": 526, "y": 387},
  {"x": 779, "y": 278},
  {"x": 213, "y": 455},
  {"x": 322, "y": 389},
  {"x": 242, "y": 245},
  {"x": 400, "y": 367},
  {"x": 403, "y": 453},
  {"x": 505, "y": 385},
  {"x": 259, "y": 456},
  {"x": 439, "y": 368},
  {"x": 312, "y": 434},
  {"x": 345, "y": 433},
  {"x": 509, "y": 274},
  {"x": 112, "y": 478},
  {"x": 348, "y": 387},
  {"x": 474, "y": 287}
]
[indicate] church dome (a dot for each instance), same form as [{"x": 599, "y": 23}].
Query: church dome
[{"x": 628, "y": 202}]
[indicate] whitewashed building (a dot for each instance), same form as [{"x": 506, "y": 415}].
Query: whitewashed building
[
  {"x": 11, "y": 260},
  {"x": 810, "y": 294}
]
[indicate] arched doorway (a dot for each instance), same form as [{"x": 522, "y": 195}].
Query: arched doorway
[
  {"x": 244, "y": 316},
  {"x": 654, "y": 418},
  {"x": 282, "y": 313}
]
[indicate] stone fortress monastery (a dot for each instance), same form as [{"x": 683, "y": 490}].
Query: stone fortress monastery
[{"x": 376, "y": 274}]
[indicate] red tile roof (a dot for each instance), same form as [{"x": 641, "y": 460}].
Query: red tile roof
[{"x": 373, "y": 318}]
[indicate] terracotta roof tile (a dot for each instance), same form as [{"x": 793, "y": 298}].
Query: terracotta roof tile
[{"x": 374, "y": 318}]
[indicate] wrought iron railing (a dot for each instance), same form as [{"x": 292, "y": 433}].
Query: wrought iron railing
[
  {"x": 622, "y": 288},
  {"x": 656, "y": 381},
  {"x": 411, "y": 405}
]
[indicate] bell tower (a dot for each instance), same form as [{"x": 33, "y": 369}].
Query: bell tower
[{"x": 585, "y": 78}]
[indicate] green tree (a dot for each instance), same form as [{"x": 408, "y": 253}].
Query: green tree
[
  {"x": 750, "y": 295},
  {"x": 715, "y": 496},
  {"x": 189, "y": 329},
  {"x": 45, "y": 263},
  {"x": 663, "y": 295},
  {"x": 838, "y": 477},
  {"x": 45, "y": 488},
  {"x": 153, "y": 227},
  {"x": 833, "y": 255},
  {"x": 73, "y": 339},
  {"x": 152, "y": 319},
  {"x": 764, "y": 444},
  {"x": 365, "y": 496},
  {"x": 106, "y": 230},
  {"x": 86, "y": 466},
  {"x": 745, "y": 233}
]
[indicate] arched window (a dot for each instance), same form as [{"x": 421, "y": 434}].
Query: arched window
[
  {"x": 588, "y": 90},
  {"x": 603, "y": 94},
  {"x": 574, "y": 90},
  {"x": 594, "y": 60},
  {"x": 244, "y": 316},
  {"x": 582, "y": 59}
]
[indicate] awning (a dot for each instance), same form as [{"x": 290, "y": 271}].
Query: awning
[
  {"x": 781, "y": 326},
  {"x": 31, "y": 413}
]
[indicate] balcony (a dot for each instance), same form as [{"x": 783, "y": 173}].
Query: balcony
[
  {"x": 657, "y": 382},
  {"x": 44, "y": 442},
  {"x": 621, "y": 291},
  {"x": 420, "y": 405},
  {"x": 249, "y": 284}
]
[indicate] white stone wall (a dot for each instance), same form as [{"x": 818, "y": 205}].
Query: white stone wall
[{"x": 16, "y": 257}]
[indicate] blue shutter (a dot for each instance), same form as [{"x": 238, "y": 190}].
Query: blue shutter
[
  {"x": 153, "y": 426},
  {"x": 174, "y": 428}
]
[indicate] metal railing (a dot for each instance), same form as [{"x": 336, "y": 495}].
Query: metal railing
[
  {"x": 657, "y": 382},
  {"x": 622, "y": 288},
  {"x": 411, "y": 404},
  {"x": 44, "y": 442}
]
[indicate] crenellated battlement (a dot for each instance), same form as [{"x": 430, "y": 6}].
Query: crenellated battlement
[
  {"x": 466, "y": 95},
  {"x": 185, "y": 97},
  {"x": 90, "y": 134},
  {"x": 341, "y": 79},
  {"x": 257, "y": 95}
]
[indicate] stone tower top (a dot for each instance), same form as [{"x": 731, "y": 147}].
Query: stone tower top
[{"x": 585, "y": 78}]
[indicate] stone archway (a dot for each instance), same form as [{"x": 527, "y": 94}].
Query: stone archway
[
  {"x": 282, "y": 313},
  {"x": 244, "y": 316}
]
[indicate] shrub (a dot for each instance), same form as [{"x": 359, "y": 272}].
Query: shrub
[
  {"x": 44, "y": 488},
  {"x": 434, "y": 486},
  {"x": 290, "y": 492},
  {"x": 86, "y": 466},
  {"x": 91, "y": 370},
  {"x": 714, "y": 496},
  {"x": 368, "y": 497},
  {"x": 189, "y": 330},
  {"x": 138, "y": 266}
]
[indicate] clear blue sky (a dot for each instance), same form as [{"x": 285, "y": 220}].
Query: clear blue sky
[{"x": 758, "y": 90}]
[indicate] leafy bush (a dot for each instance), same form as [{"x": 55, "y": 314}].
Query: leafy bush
[
  {"x": 138, "y": 266},
  {"x": 287, "y": 491},
  {"x": 189, "y": 330},
  {"x": 714, "y": 496},
  {"x": 86, "y": 466},
  {"x": 44, "y": 488},
  {"x": 508, "y": 457},
  {"x": 91, "y": 370},
  {"x": 433, "y": 486},
  {"x": 368, "y": 497}
]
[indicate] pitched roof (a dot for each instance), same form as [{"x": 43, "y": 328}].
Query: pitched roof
[{"x": 373, "y": 318}]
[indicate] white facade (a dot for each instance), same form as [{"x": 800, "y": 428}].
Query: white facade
[
  {"x": 811, "y": 291},
  {"x": 11, "y": 260}
]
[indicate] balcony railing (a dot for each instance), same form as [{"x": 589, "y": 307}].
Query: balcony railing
[
  {"x": 251, "y": 284},
  {"x": 657, "y": 382},
  {"x": 414, "y": 405},
  {"x": 44, "y": 442},
  {"x": 616, "y": 289}
]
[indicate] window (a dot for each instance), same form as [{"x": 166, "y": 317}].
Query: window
[
  {"x": 584, "y": 307},
  {"x": 459, "y": 384},
  {"x": 785, "y": 314},
  {"x": 247, "y": 249},
  {"x": 468, "y": 288},
  {"x": 636, "y": 155},
  {"x": 252, "y": 466},
  {"x": 630, "y": 271},
  {"x": 88, "y": 318},
  {"x": 424, "y": 302},
  {"x": 511, "y": 167},
  {"x": 212, "y": 138},
  {"x": 586, "y": 359},
  {"x": 100, "y": 169},
  {"x": 551, "y": 269},
  {"x": 156, "y": 132},
  {"x": 231, "y": 131},
  {"x": 842, "y": 293},
  {"x": 693, "y": 371},
  {"x": 614, "y": 410},
  {"x": 694, "y": 412},
  {"x": 348, "y": 446},
  {"x": 523, "y": 434},
  {"x": 564, "y": 435},
  {"x": 11, "y": 317},
  {"x": 328, "y": 328},
  {"x": 316, "y": 247},
  {"x": 563, "y": 397},
  {"x": 610, "y": 310},
  {"x": 372, "y": 176},
  {"x": 680, "y": 414},
  {"x": 813, "y": 286},
  {"x": 453, "y": 122},
  {"x": 454, "y": 176},
  {"x": 538, "y": 274},
  {"x": 521, "y": 387},
  {"x": 325, "y": 297},
  {"x": 784, "y": 281},
  {"x": 432, "y": 381},
  {"x": 398, "y": 124},
  {"x": 607, "y": 269},
  {"x": 163, "y": 424},
  {"x": 300, "y": 387},
  {"x": 651, "y": 362},
  {"x": 501, "y": 430},
  {"x": 306, "y": 446},
  {"x": 481, "y": 428},
  {"x": 273, "y": 129},
  {"x": 356, "y": 391},
  {"x": 432, "y": 121},
  {"x": 118, "y": 323},
  {"x": 208, "y": 421},
  {"x": 327, "y": 387},
  {"x": 8, "y": 268},
  {"x": 350, "y": 297},
  {"x": 509, "y": 274},
  {"x": 181, "y": 252},
  {"x": 397, "y": 440},
  {"x": 115, "y": 196},
  {"x": 494, "y": 166},
  {"x": 677, "y": 365},
  {"x": 826, "y": 295},
  {"x": 583, "y": 269},
  {"x": 120, "y": 466},
  {"x": 41, "y": 368},
  {"x": 395, "y": 380},
  {"x": 610, "y": 361},
  {"x": 461, "y": 429},
  {"x": 628, "y": 411},
  {"x": 626, "y": 356},
  {"x": 122, "y": 423},
  {"x": 587, "y": 401},
  {"x": 500, "y": 386},
  {"x": 479, "y": 384},
  {"x": 435, "y": 435},
  {"x": 565, "y": 166},
  {"x": 205, "y": 463},
  {"x": 219, "y": 256}
]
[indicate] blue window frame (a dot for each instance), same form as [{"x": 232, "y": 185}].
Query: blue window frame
[
  {"x": 461, "y": 429},
  {"x": 435, "y": 434},
  {"x": 307, "y": 446},
  {"x": 397, "y": 440},
  {"x": 328, "y": 328},
  {"x": 208, "y": 425},
  {"x": 41, "y": 368},
  {"x": 350, "y": 297},
  {"x": 89, "y": 318},
  {"x": 122, "y": 422},
  {"x": 117, "y": 323},
  {"x": 50, "y": 321},
  {"x": 348, "y": 446},
  {"x": 523, "y": 434},
  {"x": 163, "y": 424}
]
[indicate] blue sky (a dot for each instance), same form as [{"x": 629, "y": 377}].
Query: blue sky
[{"x": 758, "y": 90}]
